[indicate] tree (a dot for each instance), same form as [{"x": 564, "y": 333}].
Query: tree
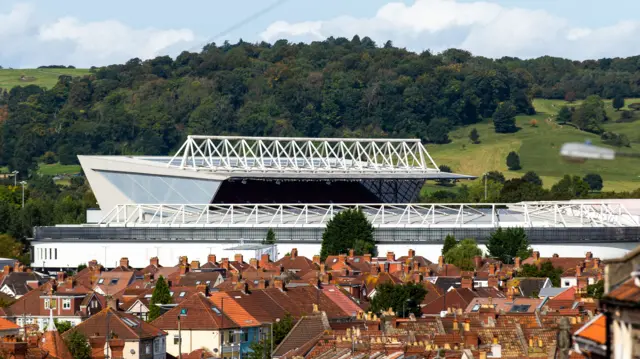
[
  {"x": 282, "y": 328},
  {"x": 438, "y": 131},
  {"x": 513, "y": 161},
  {"x": 596, "y": 290},
  {"x": 462, "y": 255},
  {"x": 9, "y": 247},
  {"x": 507, "y": 244},
  {"x": 259, "y": 350},
  {"x": 62, "y": 325},
  {"x": 618, "y": 102},
  {"x": 81, "y": 266},
  {"x": 78, "y": 345},
  {"x": 504, "y": 119},
  {"x": 160, "y": 295},
  {"x": 544, "y": 270},
  {"x": 564, "y": 115},
  {"x": 518, "y": 190},
  {"x": 570, "y": 96},
  {"x": 271, "y": 237},
  {"x": 569, "y": 187},
  {"x": 402, "y": 298},
  {"x": 474, "y": 136},
  {"x": 348, "y": 229},
  {"x": 449, "y": 242},
  {"x": 444, "y": 181},
  {"x": 533, "y": 178},
  {"x": 495, "y": 176},
  {"x": 590, "y": 115},
  {"x": 594, "y": 181}
]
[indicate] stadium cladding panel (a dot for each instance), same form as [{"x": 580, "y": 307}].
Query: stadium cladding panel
[{"x": 220, "y": 191}]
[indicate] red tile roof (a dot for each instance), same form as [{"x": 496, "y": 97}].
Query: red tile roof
[
  {"x": 53, "y": 343},
  {"x": 196, "y": 313},
  {"x": 125, "y": 326},
  {"x": 341, "y": 300},
  {"x": 595, "y": 330},
  {"x": 626, "y": 292}
]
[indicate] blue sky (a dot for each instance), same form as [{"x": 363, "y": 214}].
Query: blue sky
[{"x": 85, "y": 33}]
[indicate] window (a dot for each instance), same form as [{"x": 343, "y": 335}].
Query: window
[
  {"x": 114, "y": 281},
  {"x": 208, "y": 282},
  {"x": 45, "y": 253},
  {"x": 55, "y": 251},
  {"x": 101, "y": 280},
  {"x": 176, "y": 340},
  {"x": 182, "y": 294},
  {"x": 231, "y": 337},
  {"x": 148, "y": 348},
  {"x": 197, "y": 282},
  {"x": 156, "y": 346},
  {"x": 29, "y": 321},
  {"x": 245, "y": 336},
  {"x": 50, "y": 256},
  {"x": 66, "y": 303},
  {"x": 47, "y": 303},
  {"x": 171, "y": 294},
  {"x": 566, "y": 283},
  {"x": 19, "y": 321}
]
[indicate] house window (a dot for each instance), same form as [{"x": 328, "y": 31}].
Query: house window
[
  {"x": 55, "y": 251},
  {"x": 50, "y": 256},
  {"x": 156, "y": 346},
  {"x": 245, "y": 336},
  {"x": 176, "y": 340},
  {"x": 148, "y": 348},
  {"x": 566, "y": 283},
  {"x": 66, "y": 303},
  {"x": 29, "y": 321},
  {"x": 47, "y": 303}
]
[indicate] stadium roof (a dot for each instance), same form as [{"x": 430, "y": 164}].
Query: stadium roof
[{"x": 524, "y": 214}]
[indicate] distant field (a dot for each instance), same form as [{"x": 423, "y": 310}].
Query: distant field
[
  {"x": 539, "y": 148},
  {"x": 10, "y": 78},
  {"x": 58, "y": 169}
]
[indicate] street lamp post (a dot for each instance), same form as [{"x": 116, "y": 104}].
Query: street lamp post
[
  {"x": 15, "y": 178},
  {"x": 484, "y": 176},
  {"x": 23, "y": 183}
]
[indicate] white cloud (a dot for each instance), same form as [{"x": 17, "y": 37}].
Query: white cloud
[
  {"x": 69, "y": 41},
  {"x": 484, "y": 28}
]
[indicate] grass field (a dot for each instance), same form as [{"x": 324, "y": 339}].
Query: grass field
[
  {"x": 58, "y": 169},
  {"x": 10, "y": 78},
  {"x": 539, "y": 149}
]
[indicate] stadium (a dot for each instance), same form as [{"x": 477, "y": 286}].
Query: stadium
[{"x": 221, "y": 194}]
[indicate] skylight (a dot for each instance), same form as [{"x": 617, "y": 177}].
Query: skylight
[
  {"x": 182, "y": 294},
  {"x": 357, "y": 260},
  {"x": 197, "y": 282},
  {"x": 216, "y": 310},
  {"x": 523, "y": 308},
  {"x": 101, "y": 280},
  {"x": 130, "y": 322},
  {"x": 183, "y": 311},
  {"x": 147, "y": 295}
]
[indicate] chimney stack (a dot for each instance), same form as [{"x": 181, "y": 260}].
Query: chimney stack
[
  {"x": 195, "y": 264},
  {"x": 294, "y": 252},
  {"x": 391, "y": 257},
  {"x": 6, "y": 270},
  {"x": 351, "y": 253},
  {"x": 493, "y": 281},
  {"x": 124, "y": 262},
  {"x": 238, "y": 258},
  {"x": 183, "y": 270},
  {"x": 316, "y": 259},
  {"x": 536, "y": 255},
  {"x": 203, "y": 288},
  {"x": 211, "y": 258},
  {"x": 578, "y": 270},
  {"x": 492, "y": 269},
  {"x": 253, "y": 262},
  {"x": 225, "y": 263},
  {"x": 184, "y": 260},
  {"x": 416, "y": 266},
  {"x": 556, "y": 255},
  {"x": 411, "y": 254},
  {"x": 596, "y": 263},
  {"x": 323, "y": 268},
  {"x": 467, "y": 282},
  {"x": 342, "y": 258},
  {"x": 477, "y": 261},
  {"x": 154, "y": 262},
  {"x": 455, "y": 324},
  {"x": 264, "y": 260},
  {"x": 60, "y": 276},
  {"x": 278, "y": 283},
  {"x": 518, "y": 263},
  {"x": 441, "y": 261},
  {"x": 589, "y": 256},
  {"x": 367, "y": 257}
]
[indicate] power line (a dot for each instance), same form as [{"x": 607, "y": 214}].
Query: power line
[{"x": 244, "y": 22}]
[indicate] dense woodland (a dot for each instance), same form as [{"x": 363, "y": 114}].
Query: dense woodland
[{"x": 337, "y": 87}]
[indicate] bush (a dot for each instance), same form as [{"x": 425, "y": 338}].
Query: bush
[
  {"x": 513, "y": 161},
  {"x": 615, "y": 139},
  {"x": 594, "y": 181}
]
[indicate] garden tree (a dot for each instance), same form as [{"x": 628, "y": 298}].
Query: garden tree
[
  {"x": 81, "y": 266},
  {"x": 443, "y": 181},
  {"x": 474, "y": 136},
  {"x": 476, "y": 191},
  {"x": 615, "y": 139},
  {"x": 569, "y": 187},
  {"x": 513, "y": 161},
  {"x": 596, "y": 290},
  {"x": 78, "y": 345},
  {"x": 402, "y": 298},
  {"x": 634, "y": 106},
  {"x": 495, "y": 176},
  {"x": 160, "y": 295},
  {"x": 506, "y": 244},
  {"x": 348, "y": 229},
  {"x": 590, "y": 115},
  {"x": 438, "y": 131},
  {"x": 564, "y": 115},
  {"x": 449, "y": 242},
  {"x": 462, "y": 254},
  {"x": 594, "y": 181},
  {"x": 570, "y": 96},
  {"x": 618, "y": 102},
  {"x": 282, "y": 328},
  {"x": 518, "y": 190},
  {"x": 259, "y": 350},
  {"x": 546, "y": 270},
  {"x": 504, "y": 119},
  {"x": 62, "y": 325},
  {"x": 533, "y": 178},
  {"x": 271, "y": 237},
  {"x": 9, "y": 247}
]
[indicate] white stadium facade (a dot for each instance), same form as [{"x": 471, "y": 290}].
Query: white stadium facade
[{"x": 221, "y": 194}]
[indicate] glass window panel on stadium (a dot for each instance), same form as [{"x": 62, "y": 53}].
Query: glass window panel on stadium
[{"x": 305, "y": 235}]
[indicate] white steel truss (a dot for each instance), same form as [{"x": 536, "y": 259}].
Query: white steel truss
[
  {"x": 303, "y": 155},
  {"x": 525, "y": 214}
]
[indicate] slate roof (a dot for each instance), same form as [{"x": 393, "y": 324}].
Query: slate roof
[
  {"x": 17, "y": 281},
  {"x": 530, "y": 287},
  {"x": 550, "y": 291},
  {"x": 302, "y": 334}
]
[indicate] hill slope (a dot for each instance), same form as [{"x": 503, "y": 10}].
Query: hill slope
[
  {"x": 10, "y": 78},
  {"x": 539, "y": 149}
]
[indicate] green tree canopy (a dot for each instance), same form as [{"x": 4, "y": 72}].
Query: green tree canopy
[
  {"x": 281, "y": 328},
  {"x": 9, "y": 247},
  {"x": 533, "y": 178},
  {"x": 462, "y": 255},
  {"x": 570, "y": 187},
  {"x": 594, "y": 181},
  {"x": 474, "y": 136},
  {"x": 595, "y": 290},
  {"x": 546, "y": 270},
  {"x": 564, "y": 115},
  {"x": 271, "y": 237},
  {"x": 590, "y": 115},
  {"x": 449, "y": 242},
  {"x": 161, "y": 295},
  {"x": 402, "y": 298},
  {"x": 618, "y": 102},
  {"x": 78, "y": 345},
  {"x": 348, "y": 229},
  {"x": 507, "y": 244},
  {"x": 504, "y": 119},
  {"x": 518, "y": 190},
  {"x": 513, "y": 161},
  {"x": 62, "y": 325}
]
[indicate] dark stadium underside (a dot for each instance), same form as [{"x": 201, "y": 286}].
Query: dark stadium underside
[{"x": 315, "y": 191}]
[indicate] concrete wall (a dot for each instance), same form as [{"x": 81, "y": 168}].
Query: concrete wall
[{"x": 70, "y": 254}]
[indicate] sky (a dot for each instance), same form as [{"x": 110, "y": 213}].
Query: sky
[{"x": 94, "y": 33}]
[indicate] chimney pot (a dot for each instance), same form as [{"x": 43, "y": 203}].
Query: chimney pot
[
  {"x": 455, "y": 324},
  {"x": 316, "y": 259},
  {"x": 411, "y": 253},
  {"x": 211, "y": 258},
  {"x": 596, "y": 263},
  {"x": 518, "y": 263},
  {"x": 589, "y": 255},
  {"x": 441, "y": 261},
  {"x": 184, "y": 260},
  {"x": 294, "y": 252},
  {"x": 154, "y": 262},
  {"x": 351, "y": 253},
  {"x": 195, "y": 264},
  {"x": 238, "y": 258},
  {"x": 391, "y": 257},
  {"x": 578, "y": 270},
  {"x": 124, "y": 262},
  {"x": 477, "y": 260},
  {"x": 536, "y": 255},
  {"x": 492, "y": 269},
  {"x": 6, "y": 270},
  {"x": 225, "y": 263},
  {"x": 253, "y": 262}
]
